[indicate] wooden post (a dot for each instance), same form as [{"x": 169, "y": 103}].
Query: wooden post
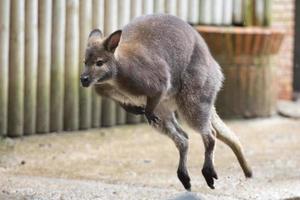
[
  {"x": 217, "y": 12},
  {"x": 123, "y": 13},
  {"x": 148, "y": 7},
  {"x": 237, "y": 12},
  {"x": 267, "y": 13},
  {"x": 85, "y": 98},
  {"x": 4, "y": 63},
  {"x": 57, "y": 66},
  {"x": 110, "y": 25},
  {"x": 71, "y": 107},
  {"x": 171, "y": 7},
  {"x": 31, "y": 59},
  {"x": 193, "y": 11},
  {"x": 205, "y": 12},
  {"x": 248, "y": 12},
  {"x": 123, "y": 19},
  {"x": 227, "y": 12},
  {"x": 182, "y": 9},
  {"x": 258, "y": 13},
  {"x": 16, "y": 69},
  {"x": 136, "y": 8},
  {"x": 98, "y": 22},
  {"x": 44, "y": 65},
  {"x": 159, "y": 6}
]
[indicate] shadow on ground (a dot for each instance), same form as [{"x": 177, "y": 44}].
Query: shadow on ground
[{"x": 188, "y": 196}]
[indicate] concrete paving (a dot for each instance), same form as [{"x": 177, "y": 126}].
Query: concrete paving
[{"x": 135, "y": 162}]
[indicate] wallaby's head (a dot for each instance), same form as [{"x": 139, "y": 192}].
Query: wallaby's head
[{"x": 100, "y": 62}]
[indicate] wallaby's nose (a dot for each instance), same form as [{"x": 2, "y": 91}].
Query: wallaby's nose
[{"x": 85, "y": 81}]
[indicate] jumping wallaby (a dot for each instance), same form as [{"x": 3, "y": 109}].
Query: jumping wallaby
[{"x": 156, "y": 65}]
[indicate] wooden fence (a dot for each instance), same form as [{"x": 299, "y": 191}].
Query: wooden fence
[{"x": 42, "y": 46}]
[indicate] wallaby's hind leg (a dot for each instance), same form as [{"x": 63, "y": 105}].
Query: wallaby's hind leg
[
  {"x": 168, "y": 126},
  {"x": 208, "y": 169},
  {"x": 196, "y": 110},
  {"x": 228, "y": 137}
]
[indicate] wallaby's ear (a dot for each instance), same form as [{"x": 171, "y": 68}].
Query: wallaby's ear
[
  {"x": 113, "y": 40},
  {"x": 95, "y": 33}
]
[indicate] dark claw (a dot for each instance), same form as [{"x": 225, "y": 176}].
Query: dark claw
[
  {"x": 209, "y": 175},
  {"x": 152, "y": 118},
  {"x": 185, "y": 179}
]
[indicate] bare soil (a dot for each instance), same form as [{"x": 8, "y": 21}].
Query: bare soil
[{"x": 135, "y": 162}]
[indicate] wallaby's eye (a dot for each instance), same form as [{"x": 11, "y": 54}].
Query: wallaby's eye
[{"x": 99, "y": 63}]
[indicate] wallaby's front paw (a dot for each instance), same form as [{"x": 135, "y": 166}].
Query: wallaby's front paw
[
  {"x": 152, "y": 118},
  {"x": 137, "y": 110},
  {"x": 209, "y": 174}
]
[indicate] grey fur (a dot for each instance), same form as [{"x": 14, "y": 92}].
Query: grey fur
[{"x": 160, "y": 64}]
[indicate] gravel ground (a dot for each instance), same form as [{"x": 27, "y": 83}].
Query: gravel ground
[{"x": 134, "y": 162}]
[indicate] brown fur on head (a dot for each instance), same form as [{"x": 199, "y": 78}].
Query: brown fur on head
[{"x": 100, "y": 62}]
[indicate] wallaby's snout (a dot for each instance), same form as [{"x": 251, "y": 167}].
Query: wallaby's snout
[{"x": 85, "y": 80}]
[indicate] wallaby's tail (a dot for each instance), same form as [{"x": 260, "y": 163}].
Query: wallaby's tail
[{"x": 228, "y": 137}]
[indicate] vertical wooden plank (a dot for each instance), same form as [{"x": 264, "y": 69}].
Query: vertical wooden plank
[
  {"x": 258, "y": 12},
  {"x": 227, "y": 12},
  {"x": 4, "y": 63},
  {"x": 123, "y": 19},
  {"x": 16, "y": 69},
  {"x": 242, "y": 86},
  {"x": 171, "y": 7},
  {"x": 159, "y": 6},
  {"x": 237, "y": 12},
  {"x": 98, "y": 22},
  {"x": 217, "y": 12},
  {"x": 147, "y": 9},
  {"x": 136, "y": 8},
  {"x": 148, "y": 6},
  {"x": 31, "y": 45},
  {"x": 205, "y": 16},
  {"x": 85, "y": 98},
  {"x": 193, "y": 8},
  {"x": 57, "y": 65},
  {"x": 123, "y": 13},
  {"x": 110, "y": 25},
  {"x": 71, "y": 107},
  {"x": 44, "y": 64},
  {"x": 248, "y": 12},
  {"x": 267, "y": 13},
  {"x": 182, "y": 9}
]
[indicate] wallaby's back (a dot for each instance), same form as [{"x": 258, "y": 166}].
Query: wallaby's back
[{"x": 165, "y": 41}]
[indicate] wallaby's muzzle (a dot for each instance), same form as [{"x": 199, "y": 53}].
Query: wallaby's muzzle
[{"x": 85, "y": 80}]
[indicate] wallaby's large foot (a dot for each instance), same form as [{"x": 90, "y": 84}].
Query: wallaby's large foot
[
  {"x": 183, "y": 176},
  {"x": 248, "y": 174},
  {"x": 209, "y": 174},
  {"x": 152, "y": 118}
]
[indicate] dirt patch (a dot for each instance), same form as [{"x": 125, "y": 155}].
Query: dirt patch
[{"x": 135, "y": 162}]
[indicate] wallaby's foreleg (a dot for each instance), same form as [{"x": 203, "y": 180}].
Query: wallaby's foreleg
[
  {"x": 228, "y": 137},
  {"x": 168, "y": 126},
  {"x": 152, "y": 103},
  {"x": 137, "y": 110}
]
